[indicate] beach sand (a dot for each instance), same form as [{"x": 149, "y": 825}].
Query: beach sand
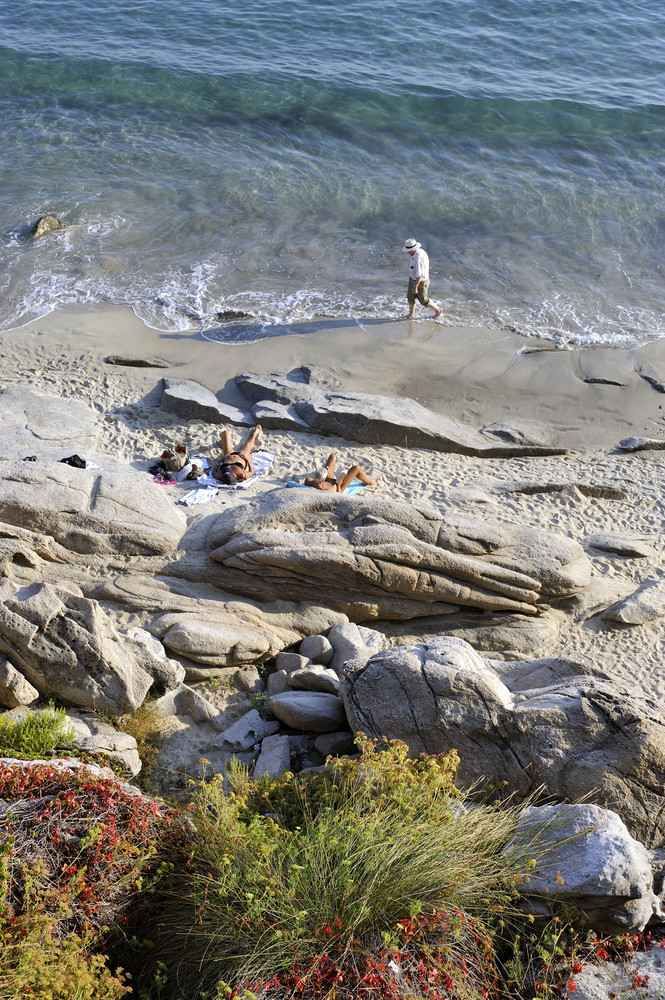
[{"x": 476, "y": 376}]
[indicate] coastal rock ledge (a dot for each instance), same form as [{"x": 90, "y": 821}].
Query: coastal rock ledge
[{"x": 380, "y": 558}]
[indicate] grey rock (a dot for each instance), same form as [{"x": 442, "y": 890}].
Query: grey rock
[
  {"x": 249, "y": 680},
  {"x": 150, "y": 654},
  {"x": 127, "y": 362},
  {"x": 278, "y": 682},
  {"x": 316, "y": 648},
  {"x": 191, "y": 401},
  {"x": 314, "y": 678},
  {"x": 90, "y": 510},
  {"x": 575, "y": 735},
  {"x": 310, "y": 711},
  {"x": 93, "y": 736},
  {"x": 335, "y": 744},
  {"x": 15, "y": 690},
  {"x": 590, "y": 862},
  {"x": 246, "y": 732},
  {"x": 620, "y": 543},
  {"x": 645, "y": 605},
  {"x": 224, "y": 641},
  {"x": 642, "y": 975},
  {"x": 68, "y": 646},
  {"x": 274, "y": 758},
  {"x": 642, "y": 444},
  {"x": 602, "y": 592},
  {"x": 186, "y": 701},
  {"x": 300, "y": 399},
  {"x": 387, "y": 558},
  {"x": 46, "y": 224},
  {"x": 353, "y": 642},
  {"x": 288, "y": 662}
]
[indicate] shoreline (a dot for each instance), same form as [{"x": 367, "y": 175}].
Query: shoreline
[{"x": 475, "y": 375}]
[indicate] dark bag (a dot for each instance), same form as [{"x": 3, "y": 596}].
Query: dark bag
[{"x": 75, "y": 460}]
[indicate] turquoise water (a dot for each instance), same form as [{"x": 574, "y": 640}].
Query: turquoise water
[{"x": 272, "y": 157}]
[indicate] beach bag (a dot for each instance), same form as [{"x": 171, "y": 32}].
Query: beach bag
[
  {"x": 75, "y": 460},
  {"x": 175, "y": 460}
]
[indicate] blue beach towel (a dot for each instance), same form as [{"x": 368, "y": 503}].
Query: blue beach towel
[{"x": 355, "y": 486}]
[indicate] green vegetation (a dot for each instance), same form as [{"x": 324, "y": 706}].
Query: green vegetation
[
  {"x": 36, "y": 735},
  {"x": 300, "y": 882},
  {"x": 371, "y": 880}
]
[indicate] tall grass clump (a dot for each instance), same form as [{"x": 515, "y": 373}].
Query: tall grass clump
[
  {"x": 369, "y": 879},
  {"x": 36, "y": 735}
]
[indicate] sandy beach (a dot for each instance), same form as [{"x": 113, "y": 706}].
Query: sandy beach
[{"x": 475, "y": 376}]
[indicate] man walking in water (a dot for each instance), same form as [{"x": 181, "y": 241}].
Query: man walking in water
[{"x": 418, "y": 278}]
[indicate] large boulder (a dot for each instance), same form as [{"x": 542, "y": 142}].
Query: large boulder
[
  {"x": 66, "y": 645},
  {"x": 550, "y": 723},
  {"x": 378, "y": 558},
  {"x": 90, "y": 510},
  {"x": 586, "y": 858}
]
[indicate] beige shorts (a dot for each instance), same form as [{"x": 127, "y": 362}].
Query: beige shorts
[{"x": 423, "y": 292}]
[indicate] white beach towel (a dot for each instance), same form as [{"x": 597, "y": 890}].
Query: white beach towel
[{"x": 198, "y": 496}]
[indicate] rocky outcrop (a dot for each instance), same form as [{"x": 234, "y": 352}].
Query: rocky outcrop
[
  {"x": 309, "y": 399},
  {"x": 90, "y": 510},
  {"x": 66, "y": 645},
  {"x": 371, "y": 557},
  {"x": 551, "y": 723}
]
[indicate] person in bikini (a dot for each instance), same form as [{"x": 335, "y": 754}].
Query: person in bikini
[
  {"x": 324, "y": 478},
  {"x": 236, "y": 466}
]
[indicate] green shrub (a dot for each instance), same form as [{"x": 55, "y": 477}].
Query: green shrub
[
  {"x": 292, "y": 874},
  {"x": 36, "y": 735}
]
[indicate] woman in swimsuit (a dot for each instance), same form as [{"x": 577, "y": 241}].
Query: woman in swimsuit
[
  {"x": 324, "y": 479},
  {"x": 236, "y": 466}
]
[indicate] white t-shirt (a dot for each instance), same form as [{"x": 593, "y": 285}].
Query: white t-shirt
[{"x": 419, "y": 266}]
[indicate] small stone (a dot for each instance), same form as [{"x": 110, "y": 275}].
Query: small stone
[
  {"x": 278, "y": 682},
  {"x": 245, "y": 733},
  {"x": 275, "y": 757},
  {"x": 15, "y": 690},
  {"x": 291, "y": 661},
  {"x": 249, "y": 680},
  {"x": 317, "y": 648}
]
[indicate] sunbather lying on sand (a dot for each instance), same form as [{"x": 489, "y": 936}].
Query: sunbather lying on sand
[
  {"x": 236, "y": 466},
  {"x": 324, "y": 478}
]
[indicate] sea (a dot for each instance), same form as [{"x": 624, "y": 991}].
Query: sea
[{"x": 241, "y": 169}]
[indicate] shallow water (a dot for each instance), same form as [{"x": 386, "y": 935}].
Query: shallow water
[{"x": 272, "y": 158}]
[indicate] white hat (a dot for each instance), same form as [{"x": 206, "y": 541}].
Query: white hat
[{"x": 411, "y": 244}]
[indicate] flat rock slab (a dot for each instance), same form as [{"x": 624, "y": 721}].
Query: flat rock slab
[
  {"x": 372, "y": 557},
  {"x": 34, "y": 423},
  {"x": 309, "y": 711},
  {"x": 192, "y": 401},
  {"x": 642, "y": 444},
  {"x": 621, "y": 544},
  {"x": 127, "y": 362},
  {"x": 645, "y": 605},
  {"x": 303, "y": 399},
  {"x": 641, "y": 975},
  {"x": 603, "y": 366},
  {"x": 90, "y": 510}
]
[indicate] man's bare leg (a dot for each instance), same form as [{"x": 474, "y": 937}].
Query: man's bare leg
[{"x": 355, "y": 472}]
